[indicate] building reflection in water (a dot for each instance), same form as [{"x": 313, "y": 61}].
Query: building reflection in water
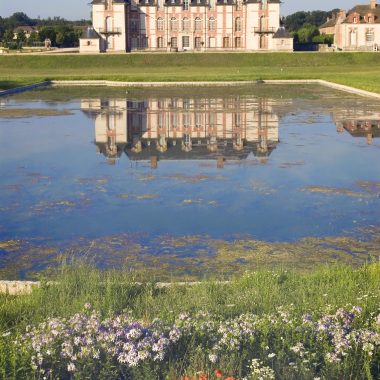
[
  {"x": 358, "y": 123},
  {"x": 219, "y": 129}
]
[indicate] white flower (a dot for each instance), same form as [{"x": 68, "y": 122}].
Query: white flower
[
  {"x": 271, "y": 355},
  {"x": 71, "y": 367}
]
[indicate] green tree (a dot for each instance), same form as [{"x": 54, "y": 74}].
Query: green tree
[
  {"x": 298, "y": 20},
  {"x": 307, "y": 33},
  {"x": 33, "y": 38},
  {"x": 324, "y": 39},
  {"x": 60, "y": 39},
  {"x": 48, "y": 32},
  {"x": 8, "y": 38},
  {"x": 21, "y": 38}
]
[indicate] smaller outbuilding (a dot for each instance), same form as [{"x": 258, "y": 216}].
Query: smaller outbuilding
[
  {"x": 89, "y": 42},
  {"x": 282, "y": 40}
]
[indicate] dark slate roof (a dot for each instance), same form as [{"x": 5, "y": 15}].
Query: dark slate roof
[
  {"x": 329, "y": 23},
  {"x": 198, "y": 152},
  {"x": 90, "y": 34},
  {"x": 364, "y": 10},
  {"x": 282, "y": 33}
]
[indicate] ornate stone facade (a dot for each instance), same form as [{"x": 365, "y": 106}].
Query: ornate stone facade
[{"x": 189, "y": 25}]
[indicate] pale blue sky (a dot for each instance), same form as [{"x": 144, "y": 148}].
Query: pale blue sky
[{"x": 79, "y": 9}]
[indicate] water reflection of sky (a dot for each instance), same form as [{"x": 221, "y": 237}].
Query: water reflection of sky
[{"x": 288, "y": 167}]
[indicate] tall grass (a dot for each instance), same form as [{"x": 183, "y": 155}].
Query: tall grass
[
  {"x": 274, "y": 301},
  {"x": 258, "y": 292}
]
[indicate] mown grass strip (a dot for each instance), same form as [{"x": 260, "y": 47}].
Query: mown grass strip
[{"x": 359, "y": 70}]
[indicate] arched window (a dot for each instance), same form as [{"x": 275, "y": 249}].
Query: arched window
[
  {"x": 160, "y": 24},
  {"x": 237, "y": 24},
  {"x": 173, "y": 24},
  {"x": 185, "y": 24},
  {"x": 262, "y": 23},
  {"x": 198, "y": 24},
  {"x": 211, "y": 24},
  {"x": 109, "y": 24}
]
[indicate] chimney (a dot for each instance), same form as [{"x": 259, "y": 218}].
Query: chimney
[{"x": 373, "y": 4}]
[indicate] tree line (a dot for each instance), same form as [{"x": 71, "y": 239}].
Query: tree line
[
  {"x": 61, "y": 32},
  {"x": 304, "y": 26}
]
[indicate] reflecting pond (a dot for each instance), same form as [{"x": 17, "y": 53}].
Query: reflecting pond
[{"x": 186, "y": 182}]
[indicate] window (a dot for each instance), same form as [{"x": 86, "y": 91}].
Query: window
[
  {"x": 133, "y": 25},
  {"x": 186, "y": 5},
  {"x": 355, "y": 20},
  {"x": 185, "y": 24},
  {"x": 88, "y": 43},
  {"x": 237, "y": 24},
  {"x": 144, "y": 42},
  {"x": 197, "y": 42},
  {"x": 160, "y": 42},
  {"x": 353, "y": 38},
  {"x": 109, "y": 24},
  {"x": 211, "y": 24},
  {"x": 237, "y": 42},
  {"x": 160, "y": 120},
  {"x": 185, "y": 42},
  {"x": 226, "y": 42},
  {"x": 238, "y": 5},
  {"x": 185, "y": 120},
  {"x": 173, "y": 42},
  {"x": 262, "y": 23},
  {"x": 198, "y": 120},
  {"x": 173, "y": 24},
  {"x": 211, "y": 42},
  {"x": 369, "y": 36},
  {"x": 160, "y": 24},
  {"x": 198, "y": 24},
  {"x": 369, "y": 19},
  {"x": 211, "y": 120},
  {"x": 263, "y": 4}
]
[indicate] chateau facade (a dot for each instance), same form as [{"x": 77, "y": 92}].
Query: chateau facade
[
  {"x": 357, "y": 29},
  {"x": 186, "y": 25}
]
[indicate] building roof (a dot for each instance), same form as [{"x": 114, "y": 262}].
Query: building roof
[
  {"x": 25, "y": 28},
  {"x": 199, "y": 152},
  {"x": 90, "y": 34},
  {"x": 329, "y": 23},
  {"x": 282, "y": 33},
  {"x": 364, "y": 10}
]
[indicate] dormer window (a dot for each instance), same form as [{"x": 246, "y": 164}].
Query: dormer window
[{"x": 355, "y": 20}]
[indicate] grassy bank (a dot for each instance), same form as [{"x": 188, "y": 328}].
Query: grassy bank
[
  {"x": 321, "y": 324},
  {"x": 360, "y": 70}
]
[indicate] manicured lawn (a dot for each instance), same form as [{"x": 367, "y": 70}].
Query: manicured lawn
[{"x": 361, "y": 70}]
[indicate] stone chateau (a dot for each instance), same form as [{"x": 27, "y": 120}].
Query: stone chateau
[
  {"x": 185, "y": 25},
  {"x": 357, "y": 29}
]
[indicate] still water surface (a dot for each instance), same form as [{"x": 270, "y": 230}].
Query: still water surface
[{"x": 129, "y": 170}]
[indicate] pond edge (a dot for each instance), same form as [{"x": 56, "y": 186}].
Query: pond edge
[{"x": 107, "y": 83}]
